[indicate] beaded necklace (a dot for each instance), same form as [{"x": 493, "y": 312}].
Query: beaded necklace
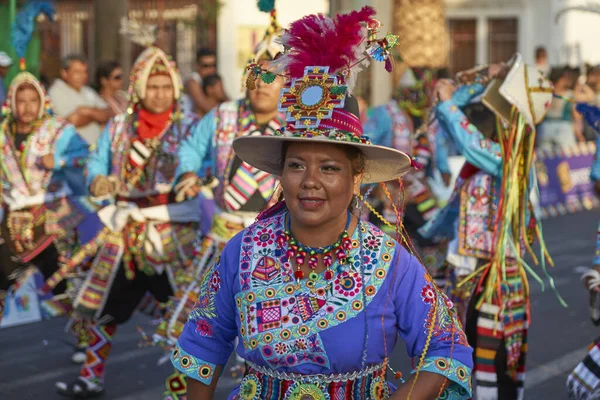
[{"x": 298, "y": 252}]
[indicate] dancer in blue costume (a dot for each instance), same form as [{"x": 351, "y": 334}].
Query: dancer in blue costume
[
  {"x": 490, "y": 221},
  {"x": 316, "y": 297}
]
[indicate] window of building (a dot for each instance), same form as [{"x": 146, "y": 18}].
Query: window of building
[
  {"x": 502, "y": 38},
  {"x": 463, "y": 44},
  {"x": 482, "y": 40}
]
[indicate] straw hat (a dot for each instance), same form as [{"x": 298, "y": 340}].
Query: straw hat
[
  {"x": 525, "y": 88},
  {"x": 317, "y": 100}
]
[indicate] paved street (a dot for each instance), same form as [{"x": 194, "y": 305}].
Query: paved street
[{"x": 34, "y": 356}]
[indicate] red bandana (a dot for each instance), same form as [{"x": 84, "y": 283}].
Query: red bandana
[{"x": 152, "y": 125}]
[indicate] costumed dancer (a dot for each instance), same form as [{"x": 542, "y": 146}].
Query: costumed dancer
[
  {"x": 242, "y": 192},
  {"x": 39, "y": 216},
  {"x": 584, "y": 382},
  {"x": 316, "y": 296},
  {"x": 492, "y": 222},
  {"x": 150, "y": 236},
  {"x": 391, "y": 126}
]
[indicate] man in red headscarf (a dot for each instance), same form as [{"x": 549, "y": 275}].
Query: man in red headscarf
[{"x": 149, "y": 238}]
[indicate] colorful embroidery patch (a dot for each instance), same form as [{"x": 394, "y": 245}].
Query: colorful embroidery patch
[{"x": 277, "y": 309}]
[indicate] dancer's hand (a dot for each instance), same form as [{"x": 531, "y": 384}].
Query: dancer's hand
[
  {"x": 47, "y": 161},
  {"x": 583, "y": 93},
  {"x": 497, "y": 71},
  {"x": 444, "y": 89},
  {"x": 103, "y": 186},
  {"x": 188, "y": 187}
]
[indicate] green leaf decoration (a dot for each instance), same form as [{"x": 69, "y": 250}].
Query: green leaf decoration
[
  {"x": 337, "y": 90},
  {"x": 268, "y": 77}
]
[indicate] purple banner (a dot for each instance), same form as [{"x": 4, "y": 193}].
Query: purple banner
[{"x": 564, "y": 180}]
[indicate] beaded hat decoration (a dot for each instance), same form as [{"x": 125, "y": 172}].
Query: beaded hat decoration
[
  {"x": 268, "y": 48},
  {"x": 322, "y": 59},
  {"x": 152, "y": 61}
]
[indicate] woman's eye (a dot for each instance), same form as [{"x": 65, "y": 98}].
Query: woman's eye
[
  {"x": 331, "y": 168},
  {"x": 294, "y": 165}
]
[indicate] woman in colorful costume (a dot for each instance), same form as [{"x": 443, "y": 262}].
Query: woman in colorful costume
[
  {"x": 319, "y": 322},
  {"x": 150, "y": 234},
  {"x": 490, "y": 220},
  {"x": 39, "y": 219},
  {"x": 242, "y": 191}
]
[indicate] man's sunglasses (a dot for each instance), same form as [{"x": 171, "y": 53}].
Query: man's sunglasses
[
  {"x": 117, "y": 77},
  {"x": 208, "y": 65}
]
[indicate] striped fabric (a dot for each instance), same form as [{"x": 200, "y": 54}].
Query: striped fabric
[
  {"x": 497, "y": 328},
  {"x": 248, "y": 180},
  {"x": 584, "y": 382},
  {"x": 139, "y": 153}
]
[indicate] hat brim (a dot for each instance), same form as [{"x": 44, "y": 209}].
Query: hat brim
[{"x": 264, "y": 152}]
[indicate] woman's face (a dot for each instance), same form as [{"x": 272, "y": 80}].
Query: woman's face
[{"x": 317, "y": 182}]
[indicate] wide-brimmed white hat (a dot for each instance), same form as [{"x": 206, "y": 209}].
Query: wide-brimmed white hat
[
  {"x": 317, "y": 99},
  {"x": 525, "y": 87}
]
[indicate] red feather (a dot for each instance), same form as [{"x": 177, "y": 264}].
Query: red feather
[{"x": 324, "y": 41}]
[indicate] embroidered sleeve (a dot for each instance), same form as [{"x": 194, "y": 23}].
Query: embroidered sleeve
[
  {"x": 195, "y": 150},
  {"x": 100, "y": 158},
  {"x": 428, "y": 324},
  {"x": 464, "y": 94},
  {"x": 207, "y": 338},
  {"x": 70, "y": 150},
  {"x": 457, "y": 373},
  {"x": 441, "y": 149},
  {"x": 483, "y": 153}
]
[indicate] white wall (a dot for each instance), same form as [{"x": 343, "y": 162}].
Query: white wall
[
  {"x": 244, "y": 13},
  {"x": 537, "y": 26},
  {"x": 578, "y": 28}
]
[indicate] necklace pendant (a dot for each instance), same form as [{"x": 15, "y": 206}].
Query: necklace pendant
[
  {"x": 313, "y": 276},
  {"x": 299, "y": 275},
  {"x": 329, "y": 274},
  {"x": 313, "y": 262}
]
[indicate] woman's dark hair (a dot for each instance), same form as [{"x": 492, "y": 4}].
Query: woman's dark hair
[
  {"x": 104, "y": 70},
  {"x": 209, "y": 81},
  {"x": 356, "y": 157},
  {"x": 484, "y": 119}
]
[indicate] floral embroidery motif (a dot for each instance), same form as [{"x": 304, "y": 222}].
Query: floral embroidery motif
[
  {"x": 296, "y": 351},
  {"x": 348, "y": 284},
  {"x": 204, "y": 328},
  {"x": 446, "y": 327},
  {"x": 205, "y": 306},
  {"x": 250, "y": 388},
  {"x": 264, "y": 238},
  {"x": 276, "y": 309},
  {"x": 215, "y": 282},
  {"x": 428, "y": 294}
]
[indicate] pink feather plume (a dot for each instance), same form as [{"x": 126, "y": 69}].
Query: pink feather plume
[{"x": 337, "y": 42}]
